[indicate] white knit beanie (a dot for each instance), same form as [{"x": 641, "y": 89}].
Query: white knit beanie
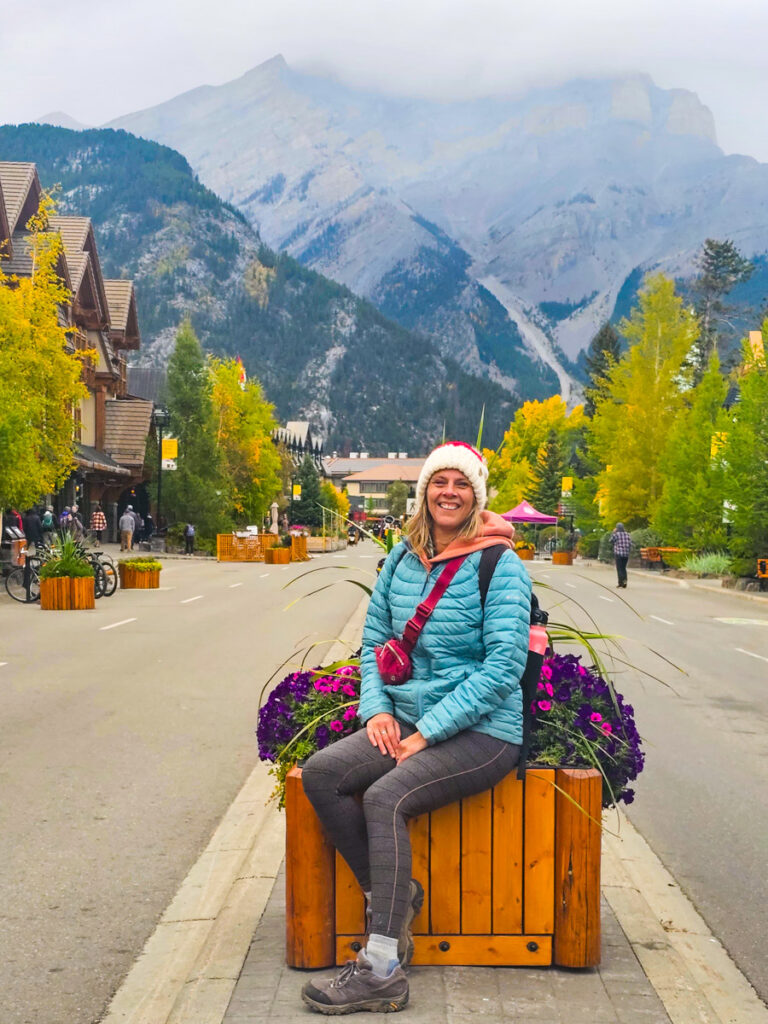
[{"x": 455, "y": 455}]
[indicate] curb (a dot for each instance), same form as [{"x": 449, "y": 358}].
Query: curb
[
  {"x": 190, "y": 965},
  {"x": 684, "y": 584}
]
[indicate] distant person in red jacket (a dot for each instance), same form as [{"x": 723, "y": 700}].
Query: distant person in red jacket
[{"x": 98, "y": 523}]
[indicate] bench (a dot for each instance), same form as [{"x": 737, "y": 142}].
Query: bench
[
  {"x": 650, "y": 557},
  {"x": 511, "y": 878}
]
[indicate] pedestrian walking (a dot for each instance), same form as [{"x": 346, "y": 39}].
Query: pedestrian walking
[
  {"x": 189, "y": 539},
  {"x": 33, "y": 529},
  {"x": 126, "y": 526},
  {"x": 450, "y": 728},
  {"x": 76, "y": 524},
  {"x": 64, "y": 519},
  {"x": 138, "y": 525},
  {"x": 98, "y": 523},
  {"x": 149, "y": 526},
  {"x": 622, "y": 548},
  {"x": 48, "y": 523}
]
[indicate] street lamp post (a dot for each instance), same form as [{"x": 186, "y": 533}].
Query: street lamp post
[{"x": 161, "y": 419}]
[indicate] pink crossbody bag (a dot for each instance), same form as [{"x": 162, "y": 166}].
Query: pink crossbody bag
[{"x": 393, "y": 658}]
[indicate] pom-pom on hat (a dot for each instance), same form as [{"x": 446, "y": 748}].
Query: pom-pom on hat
[{"x": 455, "y": 455}]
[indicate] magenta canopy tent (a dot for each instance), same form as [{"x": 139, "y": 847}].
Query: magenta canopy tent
[{"x": 526, "y": 513}]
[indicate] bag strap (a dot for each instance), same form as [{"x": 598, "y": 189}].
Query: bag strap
[
  {"x": 414, "y": 625},
  {"x": 485, "y": 570}
]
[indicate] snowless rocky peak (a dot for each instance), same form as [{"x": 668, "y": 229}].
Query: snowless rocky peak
[{"x": 555, "y": 198}]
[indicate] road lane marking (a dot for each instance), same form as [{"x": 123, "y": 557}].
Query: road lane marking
[
  {"x": 743, "y": 622},
  {"x": 122, "y": 622},
  {"x": 367, "y": 556},
  {"x": 188, "y": 599},
  {"x": 604, "y": 598},
  {"x": 572, "y": 586},
  {"x": 231, "y": 585},
  {"x": 3, "y": 663},
  {"x": 750, "y": 653},
  {"x": 659, "y": 619},
  {"x": 263, "y": 575}
]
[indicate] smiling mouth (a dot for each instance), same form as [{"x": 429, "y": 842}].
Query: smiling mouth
[{"x": 448, "y": 508}]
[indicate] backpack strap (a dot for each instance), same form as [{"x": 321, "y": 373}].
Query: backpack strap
[{"x": 486, "y": 568}]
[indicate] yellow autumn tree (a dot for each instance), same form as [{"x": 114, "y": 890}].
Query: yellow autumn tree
[
  {"x": 643, "y": 394},
  {"x": 40, "y": 374},
  {"x": 513, "y": 471},
  {"x": 244, "y": 425}
]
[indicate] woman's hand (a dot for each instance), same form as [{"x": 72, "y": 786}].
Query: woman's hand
[
  {"x": 384, "y": 732},
  {"x": 410, "y": 745}
]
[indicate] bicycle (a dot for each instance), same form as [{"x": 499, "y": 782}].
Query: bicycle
[
  {"x": 23, "y": 582},
  {"x": 107, "y": 571}
]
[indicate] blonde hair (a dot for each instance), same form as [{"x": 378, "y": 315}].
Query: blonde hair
[{"x": 419, "y": 528}]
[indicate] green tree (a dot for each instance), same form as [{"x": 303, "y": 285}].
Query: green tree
[
  {"x": 196, "y": 491},
  {"x": 244, "y": 425},
  {"x": 548, "y": 475},
  {"x": 644, "y": 393},
  {"x": 721, "y": 267},
  {"x": 746, "y": 462},
  {"x": 604, "y": 351},
  {"x": 306, "y": 510},
  {"x": 397, "y": 498},
  {"x": 40, "y": 374},
  {"x": 690, "y": 512}
]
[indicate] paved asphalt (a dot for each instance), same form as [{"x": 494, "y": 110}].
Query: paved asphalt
[
  {"x": 120, "y": 750},
  {"x": 702, "y": 801}
]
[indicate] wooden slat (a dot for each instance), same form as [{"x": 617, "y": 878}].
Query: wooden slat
[
  {"x": 309, "y": 882},
  {"x": 350, "y": 902},
  {"x": 508, "y": 856},
  {"x": 476, "y": 862},
  {"x": 577, "y": 868},
  {"x": 483, "y": 950},
  {"x": 539, "y": 852},
  {"x": 445, "y": 858},
  {"x": 419, "y": 833}
]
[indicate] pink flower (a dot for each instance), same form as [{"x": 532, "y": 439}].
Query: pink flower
[
  {"x": 545, "y": 705},
  {"x": 595, "y": 717},
  {"x": 546, "y": 671},
  {"x": 349, "y": 690},
  {"x": 321, "y": 686},
  {"x": 606, "y": 727},
  {"x": 548, "y": 688},
  {"x": 349, "y": 714},
  {"x": 346, "y": 670},
  {"x": 582, "y": 670},
  {"x": 337, "y": 726},
  {"x": 541, "y": 686}
]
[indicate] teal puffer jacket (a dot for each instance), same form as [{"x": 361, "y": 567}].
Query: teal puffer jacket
[{"x": 467, "y": 664}]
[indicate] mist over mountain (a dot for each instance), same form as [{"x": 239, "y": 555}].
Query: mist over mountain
[
  {"x": 503, "y": 227},
  {"x": 321, "y": 352}
]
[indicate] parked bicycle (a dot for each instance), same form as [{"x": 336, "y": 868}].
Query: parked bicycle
[{"x": 23, "y": 582}]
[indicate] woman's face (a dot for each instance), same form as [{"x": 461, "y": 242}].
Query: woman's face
[{"x": 450, "y": 499}]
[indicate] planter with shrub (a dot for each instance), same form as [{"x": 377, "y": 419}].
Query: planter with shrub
[
  {"x": 66, "y": 579},
  {"x": 139, "y": 573}
]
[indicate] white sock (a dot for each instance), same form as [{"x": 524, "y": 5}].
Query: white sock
[{"x": 381, "y": 951}]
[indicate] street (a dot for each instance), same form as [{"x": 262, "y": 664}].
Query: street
[
  {"x": 127, "y": 731},
  {"x": 702, "y": 800},
  {"x": 125, "y": 734}
]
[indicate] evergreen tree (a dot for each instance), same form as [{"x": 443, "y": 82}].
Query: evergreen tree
[
  {"x": 746, "y": 463},
  {"x": 721, "y": 267},
  {"x": 397, "y": 498},
  {"x": 644, "y": 393},
  {"x": 604, "y": 351},
  {"x": 196, "y": 491},
  {"x": 306, "y": 509},
  {"x": 549, "y": 475},
  {"x": 690, "y": 512}
]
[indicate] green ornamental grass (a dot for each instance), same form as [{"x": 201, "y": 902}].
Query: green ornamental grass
[{"x": 708, "y": 563}]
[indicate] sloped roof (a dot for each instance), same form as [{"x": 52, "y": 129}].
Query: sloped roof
[
  {"x": 17, "y": 181},
  {"x": 148, "y": 382},
  {"x": 389, "y": 470},
  {"x": 20, "y": 263},
  {"x": 125, "y": 431},
  {"x": 123, "y": 317},
  {"x": 92, "y": 458},
  {"x": 341, "y": 466},
  {"x": 79, "y": 241},
  {"x": 5, "y": 227}
]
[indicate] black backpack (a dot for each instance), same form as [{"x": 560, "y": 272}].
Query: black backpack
[{"x": 530, "y": 680}]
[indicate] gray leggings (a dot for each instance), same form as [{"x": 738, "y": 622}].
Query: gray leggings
[{"x": 373, "y": 839}]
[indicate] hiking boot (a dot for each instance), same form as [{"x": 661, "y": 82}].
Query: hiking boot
[
  {"x": 356, "y": 988},
  {"x": 405, "y": 938}
]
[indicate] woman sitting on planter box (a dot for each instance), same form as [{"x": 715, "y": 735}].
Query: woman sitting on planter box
[{"x": 451, "y": 730}]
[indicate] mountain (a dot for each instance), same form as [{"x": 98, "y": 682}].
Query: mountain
[
  {"x": 320, "y": 351},
  {"x": 58, "y": 119},
  {"x": 503, "y": 226}
]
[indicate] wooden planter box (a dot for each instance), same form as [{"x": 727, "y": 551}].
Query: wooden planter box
[
  {"x": 562, "y": 558},
  {"x": 526, "y": 554},
  {"x": 511, "y": 878},
  {"x": 132, "y": 579},
  {"x": 299, "y": 549},
  {"x": 277, "y": 556},
  {"x": 67, "y": 593}
]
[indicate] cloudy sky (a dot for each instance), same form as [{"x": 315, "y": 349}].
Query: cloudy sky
[{"x": 98, "y": 59}]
